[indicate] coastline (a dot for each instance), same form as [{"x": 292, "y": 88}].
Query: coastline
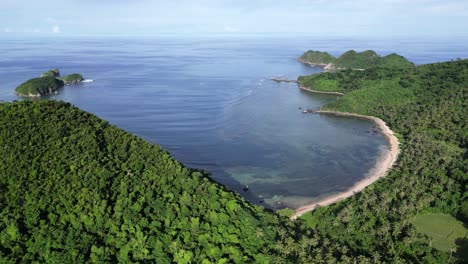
[
  {"x": 381, "y": 168},
  {"x": 35, "y": 95},
  {"x": 325, "y": 66},
  {"x": 310, "y": 63},
  {"x": 319, "y": 92}
]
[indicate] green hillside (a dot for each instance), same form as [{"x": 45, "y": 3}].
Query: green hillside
[
  {"x": 426, "y": 107},
  {"x": 355, "y": 60},
  {"x": 77, "y": 189},
  {"x": 39, "y": 86},
  {"x": 317, "y": 57},
  {"x": 394, "y": 61}
]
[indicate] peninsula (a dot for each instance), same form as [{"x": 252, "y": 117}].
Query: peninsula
[
  {"x": 49, "y": 83},
  {"x": 425, "y": 110},
  {"x": 354, "y": 60}
]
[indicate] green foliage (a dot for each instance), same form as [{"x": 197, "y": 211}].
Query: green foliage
[
  {"x": 73, "y": 78},
  {"x": 426, "y": 106},
  {"x": 317, "y": 57},
  {"x": 463, "y": 213},
  {"x": 47, "y": 84},
  {"x": 51, "y": 73},
  {"x": 369, "y": 59},
  {"x": 76, "y": 189},
  {"x": 375, "y": 94},
  {"x": 394, "y": 61},
  {"x": 443, "y": 230},
  {"x": 349, "y": 80},
  {"x": 356, "y": 60},
  {"x": 39, "y": 86},
  {"x": 320, "y": 84},
  {"x": 286, "y": 212}
]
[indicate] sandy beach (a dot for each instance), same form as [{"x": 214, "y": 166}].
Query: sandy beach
[{"x": 384, "y": 163}]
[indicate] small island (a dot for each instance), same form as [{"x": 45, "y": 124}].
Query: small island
[
  {"x": 49, "y": 83},
  {"x": 354, "y": 60},
  {"x": 73, "y": 78},
  {"x": 41, "y": 86}
]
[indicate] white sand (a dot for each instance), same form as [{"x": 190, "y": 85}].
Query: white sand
[{"x": 383, "y": 165}]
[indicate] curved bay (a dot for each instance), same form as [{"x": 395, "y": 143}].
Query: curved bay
[{"x": 209, "y": 103}]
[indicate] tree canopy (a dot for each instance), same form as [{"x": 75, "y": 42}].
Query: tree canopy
[
  {"x": 356, "y": 60},
  {"x": 51, "y": 73},
  {"x": 73, "y": 78},
  {"x": 39, "y": 86}
]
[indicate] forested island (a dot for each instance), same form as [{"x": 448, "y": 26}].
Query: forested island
[
  {"x": 77, "y": 189},
  {"x": 49, "y": 83},
  {"x": 354, "y": 60}
]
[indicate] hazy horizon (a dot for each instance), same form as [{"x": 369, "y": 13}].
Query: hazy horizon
[{"x": 361, "y": 18}]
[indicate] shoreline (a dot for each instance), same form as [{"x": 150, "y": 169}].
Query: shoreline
[
  {"x": 319, "y": 92},
  {"x": 383, "y": 165},
  {"x": 325, "y": 66}
]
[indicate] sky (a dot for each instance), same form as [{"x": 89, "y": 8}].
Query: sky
[{"x": 204, "y": 17}]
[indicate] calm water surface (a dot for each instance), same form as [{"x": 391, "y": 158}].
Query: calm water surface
[{"x": 209, "y": 103}]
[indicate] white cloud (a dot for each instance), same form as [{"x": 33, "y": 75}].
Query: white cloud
[
  {"x": 231, "y": 29},
  {"x": 56, "y": 29}
]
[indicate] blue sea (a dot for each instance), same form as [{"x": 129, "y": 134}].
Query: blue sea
[{"x": 209, "y": 102}]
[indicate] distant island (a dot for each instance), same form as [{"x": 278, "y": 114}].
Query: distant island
[
  {"x": 73, "y": 78},
  {"x": 49, "y": 83},
  {"x": 354, "y": 60}
]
